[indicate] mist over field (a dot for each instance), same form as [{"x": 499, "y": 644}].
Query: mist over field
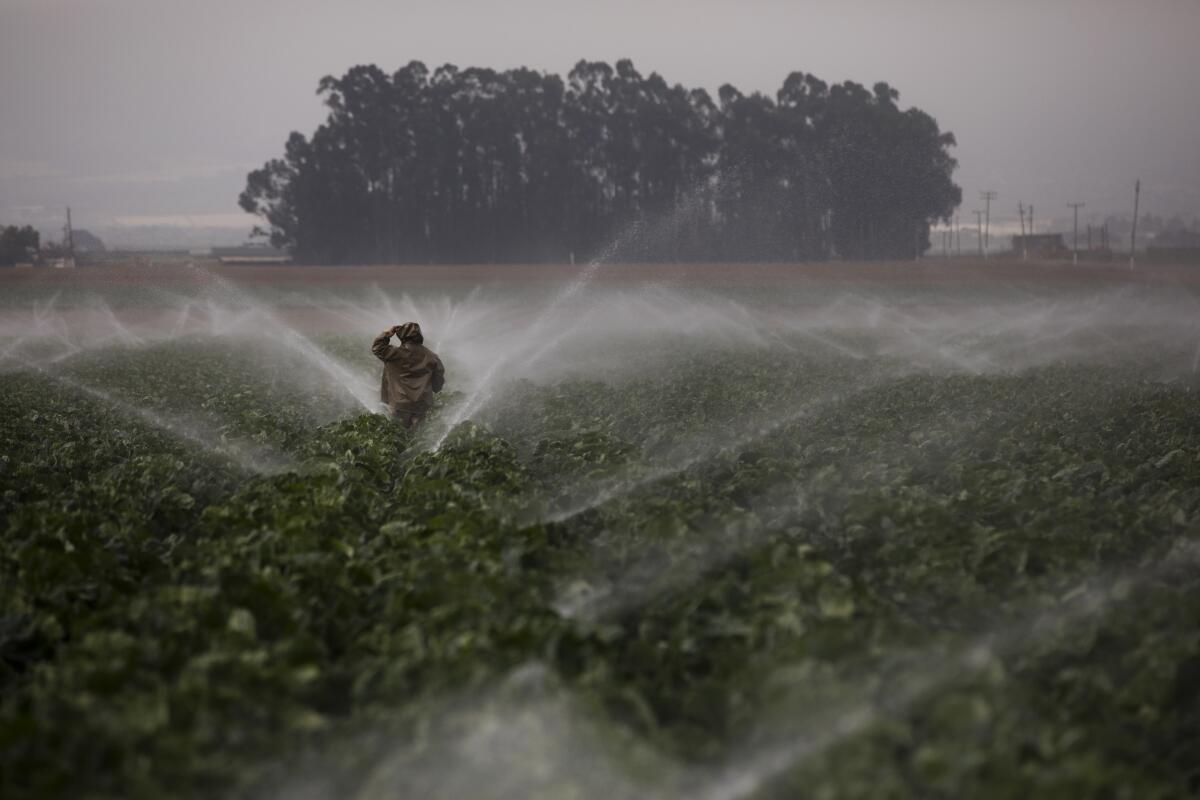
[
  {"x": 606, "y": 406},
  {"x": 674, "y": 530}
]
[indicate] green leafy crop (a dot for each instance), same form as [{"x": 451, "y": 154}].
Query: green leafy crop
[{"x": 942, "y": 585}]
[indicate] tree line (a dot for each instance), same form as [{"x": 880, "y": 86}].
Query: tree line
[
  {"x": 478, "y": 165},
  {"x": 18, "y": 245}
]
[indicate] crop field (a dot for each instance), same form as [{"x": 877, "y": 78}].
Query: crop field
[{"x": 903, "y": 532}]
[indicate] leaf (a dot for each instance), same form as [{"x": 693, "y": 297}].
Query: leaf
[{"x": 835, "y": 601}]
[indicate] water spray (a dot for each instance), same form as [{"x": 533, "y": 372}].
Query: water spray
[
  {"x": 634, "y": 230},
  {"x": 257, "y": 461},
  {"x": 354, "y": 385},
  {"x": 930, "y": 672}
]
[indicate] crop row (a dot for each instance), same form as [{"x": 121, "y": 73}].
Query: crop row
[{"x": 848, "y": 579}]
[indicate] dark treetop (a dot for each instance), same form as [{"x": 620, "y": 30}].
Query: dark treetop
[{"x": 476, "y": 165}]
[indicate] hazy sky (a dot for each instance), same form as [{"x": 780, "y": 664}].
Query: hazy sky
[{"x": 152, "y": 111}]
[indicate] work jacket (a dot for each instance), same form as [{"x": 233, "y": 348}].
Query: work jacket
[{"x": 411, "y": 374}]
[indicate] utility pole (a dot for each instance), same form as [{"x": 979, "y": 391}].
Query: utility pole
[
  {"x": 1137, "y": 193},
  {"x": 1024, "y": 241},
  {"x": 987, "y": 197},
  {"x": 69, "y": 236},
  {"x": 1075, "y": 235},
  {"x": 1031, "y": 219},
  {"x": 958, "y": 236},
  {"x": 979, "y": 229}
]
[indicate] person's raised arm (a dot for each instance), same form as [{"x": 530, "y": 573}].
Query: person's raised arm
[{"x": 382, "y": 347}]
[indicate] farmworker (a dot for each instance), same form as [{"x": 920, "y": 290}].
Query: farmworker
[{"x": 411, "y": 373}]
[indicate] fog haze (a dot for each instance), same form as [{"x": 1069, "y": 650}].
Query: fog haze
[{"x": 140, "y": 113}]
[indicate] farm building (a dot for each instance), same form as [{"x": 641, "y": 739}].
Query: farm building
[{"x": 1041, "y": 245}]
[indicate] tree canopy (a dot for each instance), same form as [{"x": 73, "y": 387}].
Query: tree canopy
[
  {"x": 475, "y": 165},
  {"x": 18, "y": 244}
]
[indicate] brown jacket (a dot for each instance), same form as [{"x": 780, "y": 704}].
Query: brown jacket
[{"x": 411, "y": 374}]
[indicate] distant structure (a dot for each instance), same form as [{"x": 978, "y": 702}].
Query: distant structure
[
  {"x": 1177, "y": 246},
  {"x": 67, "y": 262},
  {"x": 1041, "y": 245},
  {"x": 250, "y": 254},
  {"x": 69, "y": 237},
  {"x": 86, "y": 242},
  {"x": 1177, "y": 238},
  {"x": 987, "y": 197}
]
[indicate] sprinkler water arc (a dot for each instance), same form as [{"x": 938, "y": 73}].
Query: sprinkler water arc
[
  {"x": 354, "y": 385},
  {"x": 258, "y": 461}
]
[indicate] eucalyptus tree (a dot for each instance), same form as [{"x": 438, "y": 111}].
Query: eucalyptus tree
[
  {"x": 480, "y": 165},
  {"x": 889, "y": 172}
]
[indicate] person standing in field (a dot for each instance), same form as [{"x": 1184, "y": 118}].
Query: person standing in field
[{"x": 412, "y": 373}]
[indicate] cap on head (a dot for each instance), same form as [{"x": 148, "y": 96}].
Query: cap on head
[{"x": 409, "y": 330}]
